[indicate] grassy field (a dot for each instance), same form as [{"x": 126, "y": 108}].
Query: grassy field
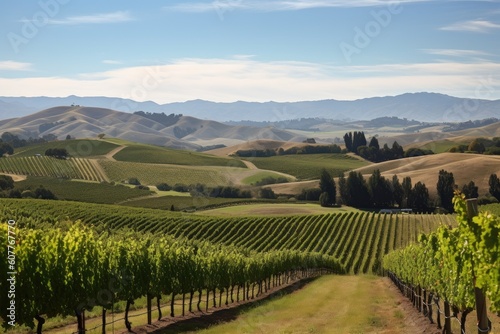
[
  {"x": 91, "y": 192},
  {"x": 309, "y": 166},
  {"x": 330, "y": 304},
  {"x": 153, "y": 174},
  {"x": 274, "y": 209},
  {"x": 79, "y": 148},
  {"x": 251, "y": 180},
  {"x": 162, "y": 155}
]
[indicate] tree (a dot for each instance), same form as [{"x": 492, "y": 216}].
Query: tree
[
  {"x": 420, "y": 197},
  {"x": 380, "y": 190},
  {"x": 343, "y": 192},
  {"x": 397, "y": 191},
  {"x": 6, "y": 182},
  {"x": 68, "y": 137},
  {"x": 267, "y": 193},
  {"x": 470, "y": 190},
  {"x": 59, "y": 153},
  {"x": 476, "y": 146},
  {"x": 358, "y": 194},
  {"x": 135, "y": 181},
  {"x": 6, "y": 148},
  {"x": 101, "y": 135},
  {"x": 494, "y": 184},
  {"x": 445, "y": 189},
  {"x": 374, "y": 143},
  {"x": 397, "y": 151},
  {"x": 348, "y": 141},
  {"x": 324, "y": 199},
  {"x": 327, "y": 185},
  {"x": 407, "y": 187}
]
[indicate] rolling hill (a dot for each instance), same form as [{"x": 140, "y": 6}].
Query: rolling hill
[{"x": 88, "y": 122}]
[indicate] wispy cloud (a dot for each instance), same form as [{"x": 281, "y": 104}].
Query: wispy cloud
[
  {"x": 456, "y": 52},
  {"x": 256, "y": 5},
  {"x": 9, "y": 65},
  {"x": 226, "y": 80},
  {"x": 480, "y": 26},
  {"x": 100, "y": 18},
  {"x": 111, "y": 62}
]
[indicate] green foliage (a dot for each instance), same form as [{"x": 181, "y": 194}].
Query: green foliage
[
  {"x": 5, "y": 148},
  {"x": 6, "y": 182},
  {"x": 494, "y": 183},
  {"x": 451, "y": 262},
  {"x": 445, "y": 189},
  {"x": 60, "y": 271},
  {"x": 328, "y": 187},
  {"x": 267, "y": 193}
]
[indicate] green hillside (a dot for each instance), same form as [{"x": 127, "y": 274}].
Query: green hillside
[
  {"x": 161, "y": 155},
  {"x": 309, "y": 166},
  {"x": 91, "y": 192},
  {"x": 73, "y": 168}
]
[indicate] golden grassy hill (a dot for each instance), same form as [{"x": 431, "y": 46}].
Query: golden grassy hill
[{"x": 465, "y": 167}]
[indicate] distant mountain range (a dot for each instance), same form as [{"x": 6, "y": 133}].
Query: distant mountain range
[{"x": 425, "y": 107}]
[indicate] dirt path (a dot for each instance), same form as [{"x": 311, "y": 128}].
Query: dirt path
[
  {"x": 113, "y": 152},
  {"x": 250, "y": 165}
]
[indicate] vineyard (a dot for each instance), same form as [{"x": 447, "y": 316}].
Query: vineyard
[
  {"x": 63, "y": 271},
  {"x": 74, "y": 168},
  {"x": 458, "y": 266},
  {"x": 358, "y": 239}
]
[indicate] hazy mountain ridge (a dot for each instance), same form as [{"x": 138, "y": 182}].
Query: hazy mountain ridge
[
  {"x": 424, "y": 107},
  {"x": 88, "y": 122}
]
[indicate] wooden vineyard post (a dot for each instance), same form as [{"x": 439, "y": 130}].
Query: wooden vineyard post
[
  {"x": 149, "y": 298},
  {"x": 482, "y": 317}
]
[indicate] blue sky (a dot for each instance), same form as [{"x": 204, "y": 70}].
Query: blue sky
[{"x": 229, "y": 50}]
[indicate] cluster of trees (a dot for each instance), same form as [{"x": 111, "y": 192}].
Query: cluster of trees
[
  {"x": 8, "y": 190},
  {"x": 17, "y": 142},
  {"x": 59, "y": 153},
  {"x": 162, "y": 118},
  {"x": 380, "y": 192},
  {"x": 307, "y": 149},
  {"x": 356, "y": 143},
  {"x": 479, "y": 145}
]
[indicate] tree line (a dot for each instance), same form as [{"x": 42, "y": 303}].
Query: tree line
[
  {"x": 356, "y": 143},
  {"x": 381, "y": 192}
]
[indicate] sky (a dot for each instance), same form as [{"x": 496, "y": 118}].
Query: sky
[{"x": 249, "y": 50}]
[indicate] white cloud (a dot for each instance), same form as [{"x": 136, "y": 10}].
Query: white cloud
[
  {"x": 111, "y": 62},
  {"x": 456, "y": 52},
  {"x": 9, "y": 65},
  {"x": 100, "y": 18},
  {"x": 226, "y": 80},
  {"x": 256, "y": 5},
  {"x": 480, "y": 26}
]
